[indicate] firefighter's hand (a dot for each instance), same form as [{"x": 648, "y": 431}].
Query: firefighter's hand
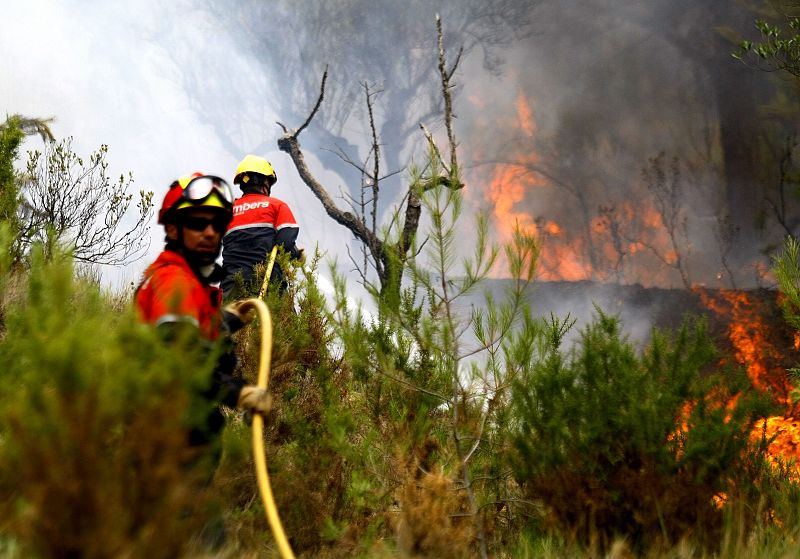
[
  {"x": 233, "y": 317},
  {"x": 301, "y": 256},
  {"x": 254, "y": 400}
]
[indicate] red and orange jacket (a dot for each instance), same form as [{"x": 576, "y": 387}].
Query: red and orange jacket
[
  {"x": 259, "y": 223},
  {"x": 171, "y": 292}
]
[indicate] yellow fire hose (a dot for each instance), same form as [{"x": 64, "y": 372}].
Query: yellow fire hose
[
  {"x": 272, "y": 255},
  {"x": 258, "y": 420}
]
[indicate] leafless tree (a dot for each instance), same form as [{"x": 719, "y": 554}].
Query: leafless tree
[
  {"x": 386, "y": 256},
  {"x": 665, "y": 184},
  {"x": 384, "y": 43},
  {"x": 76, "y": 203}
]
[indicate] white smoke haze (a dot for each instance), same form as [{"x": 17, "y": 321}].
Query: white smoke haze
[
  {"x": 104, "y": 71},
  {"x": 580, "y": 105}
]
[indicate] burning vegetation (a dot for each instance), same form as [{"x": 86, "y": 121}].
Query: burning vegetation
[
  {"x": 387, "y": 436},
  {"x": 647, "y": 237},
  {"x": 766, "y": 352}
]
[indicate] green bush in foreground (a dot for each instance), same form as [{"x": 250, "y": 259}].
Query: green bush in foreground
[
  {"x": 613, "y": 451},
  {"x": 94, "y": 411}
]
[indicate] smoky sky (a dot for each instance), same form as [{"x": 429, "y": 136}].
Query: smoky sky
[{"x": 565, "y": 121}]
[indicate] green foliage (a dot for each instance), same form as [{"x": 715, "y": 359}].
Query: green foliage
[
  {"x": 62, "y": 196},
  {"x": 11, "y": 136},
  {"x": 94, "y": 413},
  {"x": 779, "y": 47},
  {"x": 618, "y": 445},
  {"x": 430, "y": 381},
  {"x": 311, "y": 437},
  {"x": 446, "y": 424},
  {"x": 786, "y": 266}
]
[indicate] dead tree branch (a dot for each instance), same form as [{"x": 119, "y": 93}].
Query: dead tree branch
[
  {"x": 315, "y": 109},
  {"x": 434, "y": 147},
  {"x": 289, "y": 144},
  {"x": 446, "y": 86},
  {"x": 387, "y": 259},
  {"x": 376, "y": 156},
  {"x": 665, "y": 184}
]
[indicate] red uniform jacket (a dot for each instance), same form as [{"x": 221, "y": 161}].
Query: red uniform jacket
[
  {"x": 172, "y": 292},
  {"x": 259, "y": 223}
]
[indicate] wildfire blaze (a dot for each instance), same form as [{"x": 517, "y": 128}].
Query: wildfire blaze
[
  {"x": 637, "y": 237},
  {"x": 624, "y": 242},
  {"x": 750, "y": 337},
  {"x": 505, "y": 191},
  {"x": 510, "y": 185},
  {"x": 783, "y": 435}
]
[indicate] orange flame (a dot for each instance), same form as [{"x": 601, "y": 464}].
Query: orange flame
[
  {"x": 785, "y": 446},
  {"x": 561, "y": 257},
  {"x": 630, "y": 241},
  {"x": 525, "y": 116},
  {"x": 749, "y": 335},
  {"x": 627, "y": 244},
  {"x": 506, "y": 189}
]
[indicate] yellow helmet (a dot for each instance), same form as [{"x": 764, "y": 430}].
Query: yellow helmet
[{"x": 254, "y": 164}]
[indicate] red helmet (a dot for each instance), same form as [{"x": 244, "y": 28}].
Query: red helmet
[
  {"x": 174, "y": 194},
  {"x": 196, "y": 190}
]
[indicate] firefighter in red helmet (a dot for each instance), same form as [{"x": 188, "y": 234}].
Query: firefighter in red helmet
[{"x": 178, "y": 291}]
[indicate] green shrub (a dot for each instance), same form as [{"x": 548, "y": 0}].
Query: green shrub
[
  {"x": 94, "y": 412},
  {"x": 620, "y": 445},
  {"x": 11, "y": 137},
  {"x": 309, "y": 434}
]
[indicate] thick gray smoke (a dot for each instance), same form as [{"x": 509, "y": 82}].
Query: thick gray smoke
[
  {"x": 650, "y": 155},
  {"x": 563, "y": 109}
]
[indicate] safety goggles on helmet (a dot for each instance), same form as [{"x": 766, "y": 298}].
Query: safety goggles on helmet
[{"x": 200, "y": 188}]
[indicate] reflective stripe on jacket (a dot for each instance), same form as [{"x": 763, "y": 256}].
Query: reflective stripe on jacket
[
  {"x": 171, "y": 292},
  {"x": 259, "y": 223}
]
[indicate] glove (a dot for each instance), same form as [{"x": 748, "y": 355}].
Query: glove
[
  {"x": 255, "y": 400},
  {"x": 301, "y": 256},
  {"x": 233, "y": 318}
]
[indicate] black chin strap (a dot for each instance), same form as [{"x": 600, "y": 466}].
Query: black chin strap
[{"x": 216, "y": 275}]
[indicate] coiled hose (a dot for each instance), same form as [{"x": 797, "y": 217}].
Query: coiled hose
[{"x": 259, "y": 453}]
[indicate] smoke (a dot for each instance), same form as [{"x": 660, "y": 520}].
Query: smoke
[
  {"x": 634, "y": 144},
  {"x": 86, "y": 65},
  {"x": 562, "y": 108}
]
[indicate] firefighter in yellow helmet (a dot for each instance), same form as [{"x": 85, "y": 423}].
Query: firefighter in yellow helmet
[{"x": 260, "y": 221}]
